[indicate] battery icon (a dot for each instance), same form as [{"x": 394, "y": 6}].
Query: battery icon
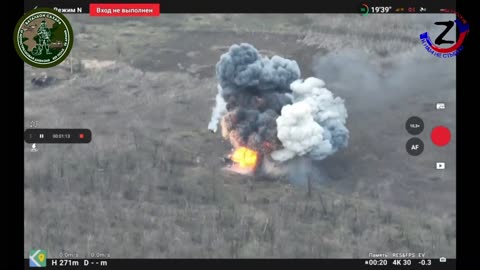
[{"x": 364, "y": 9}]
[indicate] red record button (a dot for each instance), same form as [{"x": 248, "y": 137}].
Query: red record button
[{"x": 440, "y": 136}]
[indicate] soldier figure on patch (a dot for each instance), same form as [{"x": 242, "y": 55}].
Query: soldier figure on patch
[{"x": 44, "y": 35}]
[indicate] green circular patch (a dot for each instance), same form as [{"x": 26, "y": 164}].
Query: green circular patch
[{"x": 43, "y": 37}]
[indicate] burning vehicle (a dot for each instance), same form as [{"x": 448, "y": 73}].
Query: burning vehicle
[
  {"x": 267, "y": 112},
  {"x": 242, "y": 160}
]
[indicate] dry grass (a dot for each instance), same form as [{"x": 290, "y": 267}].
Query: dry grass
[{"x": 149, "y": 184}]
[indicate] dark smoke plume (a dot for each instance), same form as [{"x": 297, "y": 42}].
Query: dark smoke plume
[
  {"x": 254, "y": 89},
  {"x": 268, "y": 108}
]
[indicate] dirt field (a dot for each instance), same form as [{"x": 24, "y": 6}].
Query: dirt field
[{"x": 150, "y": 183}]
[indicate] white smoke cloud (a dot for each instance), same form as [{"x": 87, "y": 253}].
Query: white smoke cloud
[
  {"x": 314, "y": 124},
  {"x": 218, "y": 111},
  {"x": 297, "y": 131},
  {"x": 322, "y": 102}
]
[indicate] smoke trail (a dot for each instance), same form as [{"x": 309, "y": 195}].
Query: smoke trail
[{"x": 218, "y": 111}]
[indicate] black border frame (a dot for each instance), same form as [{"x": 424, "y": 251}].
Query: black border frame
[
  {"x": 13, "y": 174},
  {"x": 466, "y": 65},
  {"x": 15, "y": 117},
  {"x": 254, "y": 6}
]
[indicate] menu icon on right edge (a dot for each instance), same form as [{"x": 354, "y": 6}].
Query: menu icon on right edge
[
  {"x": 440, "y": 106},
  {"x": 440, "y": 166}
]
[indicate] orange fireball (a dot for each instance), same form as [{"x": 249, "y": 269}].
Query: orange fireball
[{"x": 245, "y": 158}]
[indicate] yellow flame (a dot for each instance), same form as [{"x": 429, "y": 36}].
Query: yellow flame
[{"x": 245, "y": 158}]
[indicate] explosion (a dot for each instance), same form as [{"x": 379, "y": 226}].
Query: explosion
[
  {"x": 267, "y": 112},
  {"x": 245, "y": 158}
]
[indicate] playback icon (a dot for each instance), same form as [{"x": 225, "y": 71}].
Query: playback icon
[{"x": 440, "y": 166}]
